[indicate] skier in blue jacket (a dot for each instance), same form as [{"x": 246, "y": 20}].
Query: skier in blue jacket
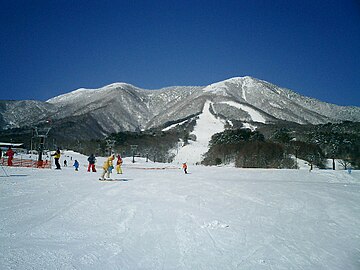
[{"x": 76, "y": 165}]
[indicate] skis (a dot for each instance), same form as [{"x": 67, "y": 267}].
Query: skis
[{"x": 113, "y": 179}]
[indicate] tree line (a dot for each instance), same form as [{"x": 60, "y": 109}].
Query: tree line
[{"x": 283, "y": 146}]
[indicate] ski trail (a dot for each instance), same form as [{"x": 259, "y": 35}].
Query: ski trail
[{"x": 206, "y": 126}]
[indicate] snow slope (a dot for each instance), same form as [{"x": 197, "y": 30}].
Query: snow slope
[
  {"x": 160, "y": 218},
  {"x": 254, "y": 114},
  {"x": 206, "y": 126}
]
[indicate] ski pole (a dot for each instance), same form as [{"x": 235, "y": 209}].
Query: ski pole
[{"x": 2, "y": 167}]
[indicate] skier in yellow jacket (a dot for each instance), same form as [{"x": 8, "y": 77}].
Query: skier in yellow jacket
[
  {"x": 56, "y": 156},
  {"x": 119, "y": 162},
  {"x": 108, "y": 166}
]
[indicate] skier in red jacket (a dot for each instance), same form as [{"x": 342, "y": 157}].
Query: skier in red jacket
[
  {"x": 184, "y": 166},
  {"x": 10, "y": 155}
]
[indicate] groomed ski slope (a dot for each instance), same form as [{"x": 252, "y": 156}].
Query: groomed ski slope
[
  {"x": 206, "y": 126},
  {"x": 160, "y": 218}
]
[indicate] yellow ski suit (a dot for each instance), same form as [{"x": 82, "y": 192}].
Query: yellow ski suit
[{"x": 108, "y": 166}]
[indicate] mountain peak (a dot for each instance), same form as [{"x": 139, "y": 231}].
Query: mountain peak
[
  {"x": 223, "y": 87},
  {"x": 117, "y": 85}
]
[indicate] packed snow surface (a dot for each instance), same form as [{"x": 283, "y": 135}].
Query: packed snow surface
[{"x": 155, "y": 217}]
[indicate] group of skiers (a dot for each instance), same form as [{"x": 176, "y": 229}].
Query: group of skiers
[{"x": 108, "y": 165}]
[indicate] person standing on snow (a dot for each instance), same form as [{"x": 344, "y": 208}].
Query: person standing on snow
[
  {"x": 118, "y": 164},
  {"x": 108, "y": 166},
  {"x": 92, "y": 161},
  {"x": 56, "y": 156},
  {"x": 10, "y": 155},
  {"x": 76, "y": 165},
  {"x": 184, "y": 166}
]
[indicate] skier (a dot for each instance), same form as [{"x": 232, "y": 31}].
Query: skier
[
  {"x": 10, "y": 155},
  {"x": 184, "y": 166},
  {"x": 76, "y": 165},
  {"x": 349, "y": 169},
  {"x": 65, "y": 163},
  {"x": 92, "y": 161},
  {"x": 108, "y": 166},
  {"x": 56, "y": 156},
  {"x": 118, "y": 164}
]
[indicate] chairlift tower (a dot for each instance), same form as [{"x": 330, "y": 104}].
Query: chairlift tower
[
  {"x": 110, "y": 145},
  {"x": 41, "y": 134},
  {"x": 133, "y": 150}
]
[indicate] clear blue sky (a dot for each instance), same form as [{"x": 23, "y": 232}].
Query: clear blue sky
[{"x": 52, "y": 47}]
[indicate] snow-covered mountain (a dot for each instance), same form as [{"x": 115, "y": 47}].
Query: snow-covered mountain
[{"x": 120, "y": 106}]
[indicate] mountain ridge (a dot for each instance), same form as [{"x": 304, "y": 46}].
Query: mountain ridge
[{"x": 124, "y": 107}]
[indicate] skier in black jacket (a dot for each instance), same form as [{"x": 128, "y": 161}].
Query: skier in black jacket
[{"x": 92, "y": 161}]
